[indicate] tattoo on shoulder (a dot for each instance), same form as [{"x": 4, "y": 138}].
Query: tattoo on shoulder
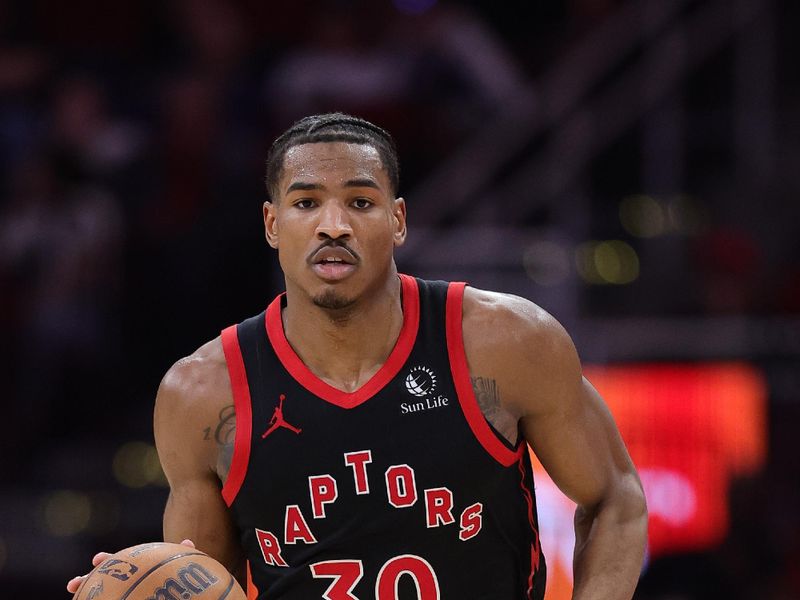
[
  {"x": 224, "y": 436},
  {"x": 488, "y": 396}
]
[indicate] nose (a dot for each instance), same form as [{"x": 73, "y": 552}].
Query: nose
[{"x": 333, "y": 222}]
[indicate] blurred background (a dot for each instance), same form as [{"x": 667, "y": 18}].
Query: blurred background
[{"x": 633, "y": 166}]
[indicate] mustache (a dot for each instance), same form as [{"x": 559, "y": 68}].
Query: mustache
[{"x": 333, "y": 243}]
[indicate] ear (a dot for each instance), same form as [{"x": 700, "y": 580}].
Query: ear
[
  {"x": 271, "y": 223},
  {"x": 399, "y": 215}
]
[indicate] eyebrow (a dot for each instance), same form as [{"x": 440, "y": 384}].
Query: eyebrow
[{"x": 350, "y": 183}]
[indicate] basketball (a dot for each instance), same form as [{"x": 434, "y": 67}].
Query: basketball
[{"x": 159, "y": 571}]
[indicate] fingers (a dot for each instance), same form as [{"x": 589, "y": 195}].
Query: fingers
[
  {"x": 74, "y": 583},
  {"x": 100, "y": 557}
]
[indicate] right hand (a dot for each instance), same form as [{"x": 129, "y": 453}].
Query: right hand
[{"x": 74, "y": 583}]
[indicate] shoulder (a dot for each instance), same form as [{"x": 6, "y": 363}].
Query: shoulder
[
  {"x": 195, "y": 377},
  {"x": 191, "y": 396},
  {"x": 510, "y": 322},
  {"x": 197, "y": 381},
  {"x": 519, "y": 344}
]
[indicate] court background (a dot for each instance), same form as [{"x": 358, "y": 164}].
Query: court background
[{"x": 631, "y": 166}]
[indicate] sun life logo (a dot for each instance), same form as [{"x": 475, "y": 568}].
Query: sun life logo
[{"x": 420, "y": 381}]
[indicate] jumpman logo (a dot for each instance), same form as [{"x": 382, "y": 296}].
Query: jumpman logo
[{"x": 278, "y": 421}]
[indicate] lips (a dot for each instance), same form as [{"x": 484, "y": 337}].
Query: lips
[
  {"x": 333, "y": 254},
  {"x": 333, "y": 263}
]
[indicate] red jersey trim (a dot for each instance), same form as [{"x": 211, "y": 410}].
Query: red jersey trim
[
  {"x": 536, "y": 549},
  {"x": 252, "y": 590},
  {"x": 466, "y": 396},
  {"x": 397, "y": 358},
  {"x": 243, "y": 411}
]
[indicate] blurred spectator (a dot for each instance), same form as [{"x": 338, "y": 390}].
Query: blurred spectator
[
  {"x": 59, "y": 237},
  {"x": 346, "y": 60},
  {"x": 61, "y": 234},
  {"x": 84, "y": 129},
  {"x": 23, "y": 70},
  {"x": 216, "y": 34},
  {"x": 440, "y": 65}
]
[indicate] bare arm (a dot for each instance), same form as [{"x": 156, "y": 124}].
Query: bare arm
[
  {"x": 194, "y": 425},
  {"x": 539, "y": 386}
]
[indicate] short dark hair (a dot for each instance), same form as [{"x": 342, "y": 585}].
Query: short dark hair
[{"x": 332, "y": 127}]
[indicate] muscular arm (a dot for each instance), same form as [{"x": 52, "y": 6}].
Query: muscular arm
[
  {"x": 194, "y": 428},
  {"x": 539, "y": 387}
]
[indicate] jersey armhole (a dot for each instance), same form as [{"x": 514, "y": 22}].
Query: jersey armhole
[
  {"x": 481, "y": 429},
  {"x": 242, "y": 410}
]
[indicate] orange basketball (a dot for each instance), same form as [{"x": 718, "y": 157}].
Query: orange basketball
[{"x": 159, "y": 571}]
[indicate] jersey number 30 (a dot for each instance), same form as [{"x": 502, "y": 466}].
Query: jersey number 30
[{"x": 347, "y": 573}]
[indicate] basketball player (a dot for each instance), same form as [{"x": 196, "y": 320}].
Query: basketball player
[{"x": 366, "y": 435}]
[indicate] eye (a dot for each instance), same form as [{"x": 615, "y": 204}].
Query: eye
[
  {"x": 362, "y": 203},
  {"x": 304, "y": 203}
]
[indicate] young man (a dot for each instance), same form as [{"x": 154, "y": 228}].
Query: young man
[{"x": 366, "y": 435}]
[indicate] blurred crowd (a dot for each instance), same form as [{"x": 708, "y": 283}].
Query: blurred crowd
[{"x": 132, "y": 143}]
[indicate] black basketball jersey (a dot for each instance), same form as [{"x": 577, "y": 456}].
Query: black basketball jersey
[{"x": 400, "y": 490}]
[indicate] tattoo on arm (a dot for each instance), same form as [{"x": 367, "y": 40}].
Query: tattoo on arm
[
  {"x": 224, "y": 436},
  {"x": 488, "y": 396}
]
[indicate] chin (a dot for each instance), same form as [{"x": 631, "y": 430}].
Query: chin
[{"x": 332, "y": 300}]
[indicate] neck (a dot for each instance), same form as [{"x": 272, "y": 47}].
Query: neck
[{"x": 346, "y": 347}]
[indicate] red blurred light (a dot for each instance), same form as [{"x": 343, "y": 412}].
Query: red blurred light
[{"x": 690, "y": 429}]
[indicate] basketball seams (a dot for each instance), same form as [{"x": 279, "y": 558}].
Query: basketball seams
[
  {"x": 192, "y": 572},
  {"x": 228, "y": 589},
  {"x": 155, "y": 567}
]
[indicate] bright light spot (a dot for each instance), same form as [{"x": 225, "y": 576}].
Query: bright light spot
[
  {"x": 616, "y": 262},
  {"x": 136, "y": 465},
  {"x": 66, "y": 512},
  {"x": 584, "y": 261},
  {"x": 670, "y": 495},
  {"x": 608, "y": 262},
  {"x": 643, "y": 216},
  {"x": 546, "y": 262}
]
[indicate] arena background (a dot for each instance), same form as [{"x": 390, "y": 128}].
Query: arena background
[{"x": 632, "y": 166}]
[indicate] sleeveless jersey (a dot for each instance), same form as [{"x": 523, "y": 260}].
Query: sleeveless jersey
[{"x": 400, "y": 490}]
